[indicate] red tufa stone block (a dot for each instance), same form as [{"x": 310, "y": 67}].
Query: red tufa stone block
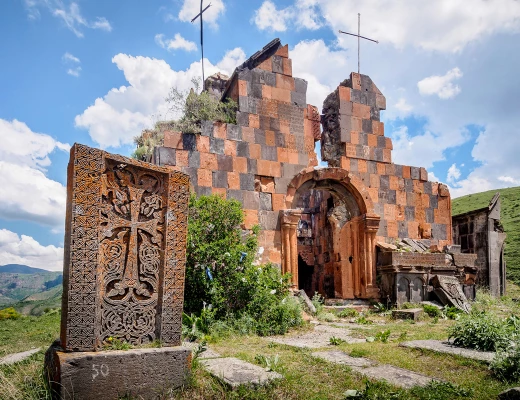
[
  {"x": 250, "y": 219},
  {"x": 204, "y": 177},
  {"x": 374, "y": 194},
  {"x": 230, "y": 147},
  {"x": 285, "y": 82},
  {"x": 278, "y": 202},
  {"x": 283, "y": 156},
  {"x": 350, "y": 150},
  {"x": 372, "y": 140},
  {"x": 240, "y": 165},
  {"x": 283, "y": 51},
  {"x": 267, "y": 65},
  {"x": 287, "y": 66},
  {"x": 219, "y": 130},
  {"x": 374, "y": 181},
  {"x": 443, "y": 190},
  {"x": 400, "y": 213},
  {"x": 391, "y": 229},
  {"x": 267, "y": 92},
  {"x": 425, "y": 200},
  {"x": 275, "y": 256},
  {"x": 173, "y": 140},
  {"x": 381, "y": 168},
  {"x": 400, "y": 197},
  {"x": 423, "y": 174},
  {"x": 387, "y": 155},
  {"x": 435, "y": 188},
  {"x": 390, "y": 212},
  {"x": 361, "y": 110},
  {"x": 242, "y": 88},
  {"x": 233, "y": 180},
  {"x": 344, "y": 93},
  {"x": 413, "y": 230},
  {"x": 182, "y": 158},
  {"x": 354, "y": 137},
  {"x": 248, "y": 133},
  {"x": 407, "y": 172},
  {"x": 270, "y": 138},
  {"x": 202, "y": 144},
  {"x": 393, "y": 182},
  {"x": 282, "y": 95},
  {"x": 441, "y": 216},
  {"x": 420, "y": 214},
  {"x": 208, "y": 161},
  {"x": 285, "y": 127},
  {"x": 418, "y": 186},
  {"x": 362, "y": 166},
  {"x": 388, "y": 144},
  {"x": 425, "y": 230},
  {"x": 219, "y": 192},
  {"x": 356, "y": 80},
  {"x": 292, "y": 155},
  {"x": 254, "y": 121},
  {"x": 378, "y": 128},
  {"x": 255, "y": 151},
  {"x": 345, "y": 163}
]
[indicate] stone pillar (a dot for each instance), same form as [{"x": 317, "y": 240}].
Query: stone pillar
[
  {"x": 290, "y": 219},
  {"x": 371, "y": 225},
  {"x": 356, "y": 259}
]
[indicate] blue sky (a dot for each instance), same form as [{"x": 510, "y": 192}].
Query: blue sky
[{"x": 97, "y": 72}]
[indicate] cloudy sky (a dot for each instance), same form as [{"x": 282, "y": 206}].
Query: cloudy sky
[{"x": 97, "y": 72}]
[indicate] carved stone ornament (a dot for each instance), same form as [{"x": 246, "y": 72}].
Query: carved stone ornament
[{"x": 124, "y": 251}]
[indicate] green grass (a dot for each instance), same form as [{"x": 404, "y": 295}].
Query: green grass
[{"x": 510, "y": 217}]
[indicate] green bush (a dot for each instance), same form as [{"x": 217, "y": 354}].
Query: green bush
[
  {"x": 506, "y": 364},
  {"x": 482, "y": 331},
  {"x": 317, "y": 301},
  {"x": 9, "y": 313},
  {"x": 348, "y": 312},
  {"x": 432, "y": 311}
]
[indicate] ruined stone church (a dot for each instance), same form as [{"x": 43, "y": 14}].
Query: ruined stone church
[{"x": 333, "y": 228}]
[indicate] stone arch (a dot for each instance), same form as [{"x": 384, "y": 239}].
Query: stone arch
[{"x": 353, "y": 260}]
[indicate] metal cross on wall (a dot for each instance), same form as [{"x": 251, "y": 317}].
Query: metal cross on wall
[
  {"x": 201, "y": 35},
  {"x": 358, "y": 38}
]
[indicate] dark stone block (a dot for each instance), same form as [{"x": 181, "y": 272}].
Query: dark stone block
[
  {"x": 275, "y": 124},
  {"x": 207, "y": 128},
  {"x": 280, "y": 184},
  {"x": 415, "y": 173},
  {"x": 264, "y": 77},
  {"x": 269, "y": 153},
  {"x": 220, "y": 179},
  {"x": 242, "y": 118},
  {"x": 247, "y": 182},
  {"x": 409, "y": 212},
  {"x": 398, "y": 171},
  {"x": 243, "y": 104},
  {"x": 225, "y": 163},
  {"x": 303, "y": 159},
  {"x": 189, "y": 141},
  {"x": 299, "y": 99},
  {"x": 384, "y": 182},
  {"x": 439, "y": 232},
  {"x": 277, "y": 64},
  {"x": 371, "y": 167},
  {"x": 164, "y": 156},
  {"x": 410, "y": 199},
  {"x": 353, "y": 164},
  {"x": 279, "y": 138},
  {"x": 430, "y": 216},
  {"x": 382, "y": 231},
  {"x": 382, "y": 195},
  {"x": 434, "y": 201},
  {"x": 192, "y": 172},
  {"x": 216, "y": 145},
  {"x": 251, "y": 200},
  {"x": 375, "y": 114},
  {"x": 245, "y": 75},
  {"x": 235, "y": 194},
  {"x": 427, "y": 187},
  {"x": 345, "y": 135},
  {"x": 402, "y": 227},
  {"x": 371, "y": 99},
  {"x": 256, "y": 90},
  {"x": 381, "y": 142},
  {"x": 266, "y": 201},
  {"x": 391, "y": 197},
  {"x": 367, "y": 126},
  {"x": 243, "y": 149},
  {"x": 234, "y": 132},
  {"x": 366, "y": 83},
  {"x": 269, "y": 220},
  {"x": 251, "y": 166},
  {"x": 194, "y": 159},
  {"x": 260, "y": 136},
  {"x": 203, "y": 191},
  {"x": 300, "y": 85},
  {"x": 378, "y": 154},
  {"x": 265, "y": 122},
  {"x": 408, "y": 185}
]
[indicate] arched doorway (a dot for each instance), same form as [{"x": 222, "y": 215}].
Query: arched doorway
[{"x": 328, "y": 235}]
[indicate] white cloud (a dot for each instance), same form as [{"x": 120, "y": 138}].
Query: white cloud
[
  {"x": 122, "y": 113},
  {"x": 403, "y": 106},
  {"x": 432, "y": 177},
  {"x": 67, "y": 57},
  {"x": 72, "y": 61},
  {"x": 268, "y": 17},
  {"x": 508, "y": 179},
  {"x": 70, "y": 15},
  {"x": 74, "y": 71},
  {"x": 25, "y": 191},
  {"x": 27, "y": 251},
  {"x": 190, "y": 8},
  {"x": 307, "y": 15},
  {"x": 442, "y": 86},
  {"x": 453, "y": 174},
  {"x": 175, "y": 44}
]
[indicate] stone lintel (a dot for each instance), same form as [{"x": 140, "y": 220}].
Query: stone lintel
[
  {"x": 149, "y": 373},
  {"x": 413, "y": 259}
]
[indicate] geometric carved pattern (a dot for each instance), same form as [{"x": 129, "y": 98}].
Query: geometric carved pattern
[{"x": 124, "y": 251}]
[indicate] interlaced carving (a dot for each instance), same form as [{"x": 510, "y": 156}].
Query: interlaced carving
[{"x": 125, "y": 259}]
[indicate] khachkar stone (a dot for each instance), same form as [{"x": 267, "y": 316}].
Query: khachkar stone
[{"x": 124, "y": 264}]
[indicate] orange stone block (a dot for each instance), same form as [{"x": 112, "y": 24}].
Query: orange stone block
[
  {"x": 283, "y": 156},
  {"x": 255, "y": 151},
  {"x": 374, "y": 194},
  {"x": 394, "y": 182},
  {"x": 254, "y": 121},
  {"x": 390, "y": 212},
  {"x": 441, "y": 216},
  {"x": 278, "y": 201},
  {"x": 361, "y": 110},
  {"x": 287, "y": 66},
  {"x": 400, "y": 213},
  {"x": 285, "y": 82},
  {"x": 242, "y": 88},
  {"x": 425, "y": 200},
  {"x": 413, "y": 230},
  {"x": 354, "y": 137},
  {"x": 230, "y": 147},
  {"x": 208, "y": 161},
  {"x": 219, "y": 130},
  {"x": 202, "y": 144},
  {"x": 400, "y": 197},
  {"x": 407, "y": 172},
  {"x": 378, "y": 128},
  {"x": 293, "y": 156},
  {"x": 388, "y": 143},
  {"x": 248, "y": 132},
  {"x": 381, "y": 168},
  {"x": 269, "y": 138},
  {"x": 387, "y": 155},
  {"x": 182, "y": 158},
  {"x": 285, "y": 127},
  {"x": 344, "y": 93},
  {"x": 240, "y": 165},
  {"x": 267, "y": 92},
  {"x": 250, "y": 218},
  {"x": 350, "y": 150},
  {"x": 362, "y": 166},
  {"x": 345, "y": 163},
  {"x": 282, "y": 95},
  {"x": 219, "y": 192},
  {"x": 283, "y": 51},
  {"x": 267, "y": 65},
  {"x": 374, "y": 181},
  {"x": 391, "y": 229},
  {"x": 435, "y": 188},
  {"x": 233, "y": 180},
  {"x": 356, "y": 81},
  {"x": 418, "y": 186},
  {"x": 173, "y": 140},
  {"x": 372, "y": 140},
  {"x": 204, "y": 177}
]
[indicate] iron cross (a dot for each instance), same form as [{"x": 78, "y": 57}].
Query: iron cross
[
  {"x": 201, "y": 35},
  {"x": 358, "y": 37}
]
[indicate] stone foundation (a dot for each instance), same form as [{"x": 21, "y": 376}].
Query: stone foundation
[{"x": 109, "y": 375}]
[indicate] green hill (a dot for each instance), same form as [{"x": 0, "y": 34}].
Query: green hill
[
  {"x": 510, "y": 217},
  {"x": 38, "y": 303}
]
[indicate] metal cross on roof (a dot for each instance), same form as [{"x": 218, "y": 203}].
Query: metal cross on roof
[
  {"x": 358, "y": 37},
  {"x": 201, "y": 34}
]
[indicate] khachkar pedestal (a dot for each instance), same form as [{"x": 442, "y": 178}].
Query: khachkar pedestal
[{"x": 124, "y": 263}]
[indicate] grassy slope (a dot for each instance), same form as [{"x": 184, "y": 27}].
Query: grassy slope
[
  {"x": 510, "y": 217},
  {"x": 16, "y": 286},
  {"x": 37, "y": 303}
]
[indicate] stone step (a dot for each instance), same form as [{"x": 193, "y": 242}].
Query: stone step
[
  {"x": 17, "y": 357},
  {"x": 447, "y": 348},
  {"x": 235, "y": 372},
  {"x": 395, "y": 376},
  {"x": 316, "y": 339}
]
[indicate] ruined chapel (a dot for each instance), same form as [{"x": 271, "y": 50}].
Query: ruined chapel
[{"x": 333, "y": 228}]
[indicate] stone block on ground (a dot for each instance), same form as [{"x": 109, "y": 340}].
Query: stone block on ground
[
  {"x": 412, "y": 313},
  {"x": 319, "y": 337},
  {"x": 395, "y": 376},
  {"x": 148, "y": 373},
  {"x": 235, "y": 372},
  {"x": 307, "y": 301},
  {"x": 510, "y": 394},
  {"x": 447, "y": 348},
  {"x": 340, "y": 357},
  {"x": 17, "y": 357}
]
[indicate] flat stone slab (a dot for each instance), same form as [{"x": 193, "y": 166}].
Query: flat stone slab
[
  {"x": 411, "y": 313},
  {"x": 149, "y": 373},
  {"x": 447, "y": 348},
  {"x": 320, "y": 337},
  {"x": 208, "y": 353},
  {"x": 394, "y": 375},
  {"x": 235, "y": 372},
  {"x": 17, "y": 357},
  {"x": 340, "y": 357}
]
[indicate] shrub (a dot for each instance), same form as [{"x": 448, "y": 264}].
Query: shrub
[
  {"x": 432, "y": 311},
  {"x": 318, "y": 300},
  {"x": 335, "y": 341},
  {"x": 9, "y": 313},
  {"x": 506, "y": 364},
  {"x": 348, "y": 312},
  {"x": 383, "y": 336},
  {"x": 481, "y": 331}
]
